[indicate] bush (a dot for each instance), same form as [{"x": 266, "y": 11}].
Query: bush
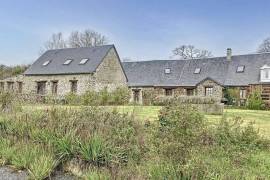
[
  {"x": 233, "y": 132},
  {"x": 120, "y": 96},
  {"x": 6, "y": 101},
  {"x": 255, "y": 101},
  {"x": 180, "y": 129},
  {"x": 72, "y": 99},
  {"x": 167, "y": 100}
]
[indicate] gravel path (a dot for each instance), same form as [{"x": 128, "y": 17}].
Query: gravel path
[{"x": 9, "y": 174}]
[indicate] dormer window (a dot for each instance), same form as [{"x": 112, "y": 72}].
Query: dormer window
[
  {"x": 46, "y": 63},
  {"x": 83, "y": 61},
  {"x": 265, "y": 73},
  {"x": 197, "y": 71},
  {"x": 167, "y": 71},
  {"x": 240, "y": 69},
  {"x": 67, "y": 62}
]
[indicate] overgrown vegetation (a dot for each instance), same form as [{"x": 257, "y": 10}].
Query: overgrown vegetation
[
  {"x": 120, "y": 96},
  {"x": 255, "y": 101},
  {"x": 8, "y": 71},
  {"x": 95, "y": 143}
]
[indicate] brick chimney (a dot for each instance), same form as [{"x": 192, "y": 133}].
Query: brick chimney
[{"x": 229, "y": 54}]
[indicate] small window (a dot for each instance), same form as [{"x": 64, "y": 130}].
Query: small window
[
  {"x": 73, "y": 86},
  {"x": 2, "y": 86},
  {"x": 190, "y": 92},
  {"x": 10, "y": 86},
  {"x": 136, "y": 95},
  {"x": 167, "y": 71},
  {"x": 41, "y": 87},
  {"x": 67, "y": 62},
  {"x": 197, "y": 71},
  {"x": 54, "y": 87},
  {"x": 168, "y": 92},
  {"x": 243, "y": 93},
  {"x": 20, "y": 86},
  {"x": 266, "y": 74},
  {"x": 208, "y": 91},
  {"x": 240, "y": 69},
  {"x": 46, "y": 63},
  {"x": 83, "y": 61}
]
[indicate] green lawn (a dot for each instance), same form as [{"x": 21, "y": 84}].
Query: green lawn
[{"x": 260, "y": 118}]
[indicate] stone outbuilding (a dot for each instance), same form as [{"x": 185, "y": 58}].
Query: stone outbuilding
[{"x": 76, "y": 70}]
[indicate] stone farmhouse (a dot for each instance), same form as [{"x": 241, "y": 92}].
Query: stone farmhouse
[
  {"x": 61, "y": 71},
  {"x": 76, "y": 70}
]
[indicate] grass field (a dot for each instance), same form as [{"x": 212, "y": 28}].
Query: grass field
[{"x": 150, "y": 113}]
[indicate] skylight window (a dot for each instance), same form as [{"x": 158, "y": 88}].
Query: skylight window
[
  {"x": 240, "y": 69},
  {"x": 46, "y": 63},
  {"x": 67, "y": 62},
  {"x": 197, "y": 71},
  {"x": 167, "y": 71},
  {"x": 83, "y": 61}
]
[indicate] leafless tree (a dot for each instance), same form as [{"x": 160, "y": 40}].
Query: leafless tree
[
  {"x": 55, "y": 42},
  {"x": 264, "y": 46},
  {"x": 190, "y": 52},
  {"x": 87, "y": 38}
]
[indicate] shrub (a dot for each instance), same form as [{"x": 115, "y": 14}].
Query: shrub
[
  {"x": 7, "y": 102},
  {"x": 169, "y": 100},
  {"x": 180, "y": 129},
  {"x": 233, "y": 132},
  {"x": 255, "y": 101},
  {"x": 72, "y": 99},
  {"x": 90, "y": 98},
  {"x": 120, "y": 96}
]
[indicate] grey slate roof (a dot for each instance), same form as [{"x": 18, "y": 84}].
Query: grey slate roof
[
  {"x": 219, "y": 69},
  {"x": 59, "y": 56}
]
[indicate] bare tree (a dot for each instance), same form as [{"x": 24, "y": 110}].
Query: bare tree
[
  {"x": 190, "y": 52},
  {"x": 264, "y": 46},
  {"x": 55, "y": 42},
  {"x": 87, "y": 38}
]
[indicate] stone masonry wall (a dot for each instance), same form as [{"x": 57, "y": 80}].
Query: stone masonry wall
[
  {"x": 110, "y": 73},
  {"x": 217, "y": 89}
]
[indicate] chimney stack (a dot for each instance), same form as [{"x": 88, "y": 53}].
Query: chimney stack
[{"x": 229, "y": 54}]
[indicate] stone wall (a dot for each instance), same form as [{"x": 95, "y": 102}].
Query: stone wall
[
  {"x": 217, "y": 89},
  {"x": 108, "y": 74}
]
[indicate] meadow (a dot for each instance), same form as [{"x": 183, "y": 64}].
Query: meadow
[{"x": 135, "y": 142}]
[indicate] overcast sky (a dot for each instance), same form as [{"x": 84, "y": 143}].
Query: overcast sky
[{"x": 140, "y": 29}]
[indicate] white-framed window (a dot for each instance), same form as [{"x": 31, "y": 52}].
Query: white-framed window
[
  {"x": 67, "y": 62},
  {"x": 46, "y": 63},
  {"x": 265, "y": 73},
  {"x": 208, "y": 91},
  {"x": 167, "y": 71},
  {"x": 83, "y": 61},
  {"x": 240, "y": 69},
  {"x": 197, "y": 71}
]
